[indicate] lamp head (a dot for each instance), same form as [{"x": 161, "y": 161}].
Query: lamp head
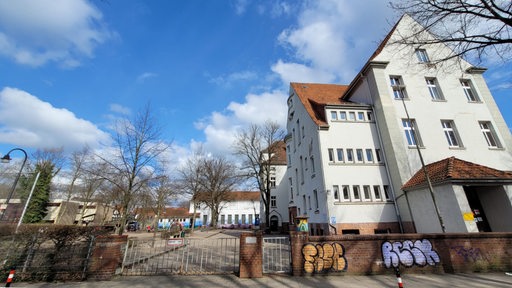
[{"x": 6, "y": 159}]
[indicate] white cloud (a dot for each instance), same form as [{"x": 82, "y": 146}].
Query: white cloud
[
  {"x": 331, "y": 39},
  {"x": 230, "y": 79},
  {"x": 241, "y": 6},
  {"x": 27, "y": 121},
  {"x": 144, "y": 76},
  {"x": 120, "y": 109},
  {"x": 34, "y": 32}
]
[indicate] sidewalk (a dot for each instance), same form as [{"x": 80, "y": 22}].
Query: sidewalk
[{"x": 272, "y": 281}]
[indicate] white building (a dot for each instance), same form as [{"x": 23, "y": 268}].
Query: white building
[
  {"x": 353, "y": 162},
  {"x": 241, "y": 211}
]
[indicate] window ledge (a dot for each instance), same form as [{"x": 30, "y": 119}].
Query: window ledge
[
  {"x": 457, "y": 148},
  {"x": 439, "y": 100},
  {"x": 496, "y": 148},
  {"x": 414, "y": 147}
]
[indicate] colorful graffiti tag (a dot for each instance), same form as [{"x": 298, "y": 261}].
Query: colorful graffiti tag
[
  {"x": 472, "y": 254},
  {"x": 324, "y": 257},
  {"x": 409, "y": 253}
]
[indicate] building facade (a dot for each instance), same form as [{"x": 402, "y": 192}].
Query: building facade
[{"x": 378, "y": 155}]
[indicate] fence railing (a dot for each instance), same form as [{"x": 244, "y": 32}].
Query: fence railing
[
  {"x": 181, "y": 256},
  {"x": 276, "y": 255}
]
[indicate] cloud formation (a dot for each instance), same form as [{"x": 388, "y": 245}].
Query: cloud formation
[
  {"x": 35, "y": 32},
  {"x": 27, "y": 121}
]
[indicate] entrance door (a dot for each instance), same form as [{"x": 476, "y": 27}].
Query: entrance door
[
  {"x": 476, "y": 208},
  {"x": 274, "y": 223}
]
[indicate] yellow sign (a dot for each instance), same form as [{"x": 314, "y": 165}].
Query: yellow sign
[{"x": 468, "y": 216}]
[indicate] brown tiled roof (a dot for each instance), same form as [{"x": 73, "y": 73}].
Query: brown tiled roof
[
  {"x": 279, "y": 153},
  {"x": 315, "y": 97},
  {"x": 235, "y": 196},
  {"x": 455, "y": 170}
]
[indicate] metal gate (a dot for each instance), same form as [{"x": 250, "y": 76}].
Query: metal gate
[
  {"x": 181, "y": 256},
  {"x": 276, "y": 255}
]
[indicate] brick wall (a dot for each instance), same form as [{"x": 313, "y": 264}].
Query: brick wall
[
  {"x": 107, "y": 256},
  {"x": 251, "y": 255},
  {"x": 412, "y": 253}
]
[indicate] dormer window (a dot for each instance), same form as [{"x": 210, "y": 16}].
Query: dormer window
[{"x": 422, "y": 55}]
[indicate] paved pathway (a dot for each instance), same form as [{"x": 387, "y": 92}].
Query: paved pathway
[{"x": 477, "y": 280}]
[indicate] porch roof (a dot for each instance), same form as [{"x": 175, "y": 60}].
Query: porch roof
[{"x": 456, "y": 170}]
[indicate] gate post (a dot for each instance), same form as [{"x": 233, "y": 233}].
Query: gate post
[
  {"x": 107, "y": 256},
  {"x": 297, "y": 241},
  {"x": 251, "y": 255}
]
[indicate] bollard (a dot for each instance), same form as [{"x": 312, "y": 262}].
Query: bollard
[
  {"x": 10, "y": 278},
  {"x": 398, "y": 278}
]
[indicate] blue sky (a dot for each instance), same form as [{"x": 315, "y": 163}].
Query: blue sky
[{"x": 69, "y": 68}]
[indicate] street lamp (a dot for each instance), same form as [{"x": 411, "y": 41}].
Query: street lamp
[{"x": 6, "y": 159}]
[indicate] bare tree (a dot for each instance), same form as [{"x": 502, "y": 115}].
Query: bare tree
[
  {"x": 219, "y": 177},
  {"x": 135, "y": 160},
  {"x": 470, "y": 28},
  {"x": 259, "y": 145}
]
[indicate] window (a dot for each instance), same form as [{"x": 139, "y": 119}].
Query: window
[
  {"x": 489, "y": 134},
  {"x": 435, "y": 93},
  {"x": 304, "y": 204},
  {"x": 343, "y": 115},
  {"x": 301, "y": 171},
  {"x": 339, "y": 153},
  {"x": 469, "y": 91},
  {"x": 350, "y": 155},
  {"x": 230, "y": 219},
  {"x": 272, "y": 181},
  {"x": 346, "y": 192},
  {"x": 451, "y": 133},
  {"x": 367, "y": 194},
  {"x": 357, "y": 194},
  {"x": 336, "y": 192},
  {"x": 309, "y": 202},
  {"x": 291, "y": 187},
  {"x": 250, "y": 219},
  {"x": 386, "y": 192},
  {"x": 315, "y": 194},
  {"x": 376, "y": 192},
  {"x": 352, "y": 116},
  {"x": 331, "y": 155},
  {"x": 398, "y": 87},
  {"x": 360, "y": 116},
  {"x": 303, "y": 134},
  {"x": 422, "y": 55},
  {"x": 237, "y": 219},
  {"x": 369, "y": 155},
  {"x": 411, "y": 132},
  {"x": 378, "y": 155},
  {"x": 222, "y": 219},
  {"x": 334, "y": 115},
  {"x": 312, "y": 165},
  {"x": 244, "y": 219},
  {"x": 273, "y": 201},
  {"x": 359, "y": 154},
  {"x": 369, "y": 116}
]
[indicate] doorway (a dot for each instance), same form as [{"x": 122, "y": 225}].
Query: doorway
[{"x": 477, "y": 209}]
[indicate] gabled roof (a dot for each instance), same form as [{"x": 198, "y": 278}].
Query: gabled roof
[
  {"x": 233, "y": 196},
  {"x": 455, "y": 170},
  {"x": 278, "y": 151},
  {"x": 168, "y": 212},
  {"x": 315, "y": 97}
]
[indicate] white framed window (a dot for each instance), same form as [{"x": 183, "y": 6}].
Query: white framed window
[
  {"x": 450, "y": 132},
  {"x": 304, "y": 204},
  {"x": 350, "y": 155},
  {"x": 331, "y": 154},
  {"x": 336, "y": 192},
  {"x": 398, "y": 87},
  {"x": 387, "y": 193},
  {"x": 312, "y": 165},
  {"x": 360, "y": 116},
  {"x": 315, "y": 194},
  {"x": 356, "y": 193},
  {"x": 378, "y": 155},
  {"x": 334, "y": 115},
  {"x": 346, "y": 192},
  {"x": 339, "y": 153},
  {"x": 343, "y": 115},
  {"x": 291, "y": 187},
  {"x": 352, "y": 116},
  {"x": 422, "y": 55},
  {"x": 369, "y": 155},
  {"x": 369, "y": 116},
  {"x": 489, "y": 134},
  {"x": 376, "y": 193},
  {"x": 273, "y": 201},
  {"x": 433, "y": 89},
  {"x": 367, "y": 193},
  {"x": 411, "y": 132},
  {"x": 309, "y": 202},
  {"x": 359, "y": 155},
  {"x": 469, "y": 90}
]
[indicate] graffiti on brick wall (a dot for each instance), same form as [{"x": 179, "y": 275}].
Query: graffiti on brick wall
[
  {"x": 409, "y": 253},
  {"x": 469, "y": 254},
  {"x": 324, "y": 257}
]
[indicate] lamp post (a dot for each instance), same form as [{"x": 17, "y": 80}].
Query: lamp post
[{"x": 6, "y": 159}]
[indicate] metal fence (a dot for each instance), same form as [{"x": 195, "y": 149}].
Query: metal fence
[
  {"x": 276, "y": 255},
  {"x": 181, "y": 256}
]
